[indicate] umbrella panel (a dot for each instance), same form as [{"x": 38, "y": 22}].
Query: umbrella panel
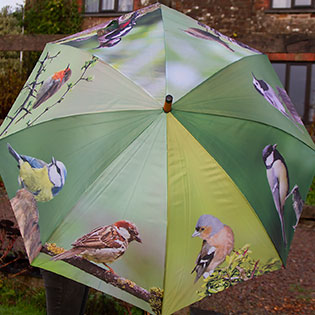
[{"x": 198, "y": 185}]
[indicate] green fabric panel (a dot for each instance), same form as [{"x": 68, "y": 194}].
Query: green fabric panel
[
  {"x": 231, "y": 93},
  {"x": 86, "y": 144},
  {"x": 107, "y": 90},
  {"x": 140, "y": 54},
  {"x": 133, "y": 187},
  {"x": 191, "y": 60},
  {"x": 197, "y": 185},
  {"x": 237, "y": 146}
]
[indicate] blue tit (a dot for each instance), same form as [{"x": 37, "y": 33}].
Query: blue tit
[
  {"x": 278, "y": 179},
  {"x": 218, "y": 242},
  {"x": 43, "y": 180}
]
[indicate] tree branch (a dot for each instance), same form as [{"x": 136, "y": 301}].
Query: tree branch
[
  {"x": 105, "y": 275},
  {"x": 25, "y": 209}
]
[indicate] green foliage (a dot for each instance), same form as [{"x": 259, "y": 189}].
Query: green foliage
[
  {"x": 310, "y": 199},
  {"x": 52, "y": 17},
  {"x": 9, "y": 22},
  {"x": 100, "y": 303},
  {"x": 21, "y": 309},
  {"x": 19, "y": 298},
  {"x": 13, "y": 73},
  {"x": 240, "y": 267},
  {"x": 11, "y": 82},
  {"x": 13, "y": 76}
]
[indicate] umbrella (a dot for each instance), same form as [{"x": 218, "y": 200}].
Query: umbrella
[{"x": 166, "y": 160}]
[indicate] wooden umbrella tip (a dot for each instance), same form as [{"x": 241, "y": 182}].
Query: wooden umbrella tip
[{"x": 168, "y": 103}]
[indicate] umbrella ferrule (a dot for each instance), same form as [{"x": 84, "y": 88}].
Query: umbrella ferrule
[{"x": 168, "y": 103}]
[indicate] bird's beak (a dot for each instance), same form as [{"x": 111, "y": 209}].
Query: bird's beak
[
  {"x": 138, "y": 239},
  {"x": 195, "y": 234}
]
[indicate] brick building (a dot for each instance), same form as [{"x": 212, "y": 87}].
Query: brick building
[{"x": 283, "y": 29}]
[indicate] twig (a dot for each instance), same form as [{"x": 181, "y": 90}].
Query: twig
[
  {"x": 8, "y": 249},
  {"x": 254, "y": 270},
  {"x": 69, "y": 87},
  {"x": 20, "y": 272},
  {"x": 10, "y": 262},
  {"x": 31, "y": 87}
]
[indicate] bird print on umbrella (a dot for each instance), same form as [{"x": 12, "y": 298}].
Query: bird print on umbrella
[
  {"x": 218, "y": 242},
  {"x": 297, "y": 203},
  {"x": 278, "y": 179},
  {"x": 198, "y": 33},
  {"x": 112, "y": 34},
  {"x": 232, "y": 40},
  {"x": 43, "y": 180},
  {"x": 51, "y": 86},
  {"x": 288, "y": 103},
  {"x": 263, "y": 88},
  {"x": 104, "y": 244}
]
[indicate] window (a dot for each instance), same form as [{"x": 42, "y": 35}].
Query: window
[
  {"x": 292, "y": 4},
  {"x": 108, "y": 6},
  {"x": 299, "y": 81}
]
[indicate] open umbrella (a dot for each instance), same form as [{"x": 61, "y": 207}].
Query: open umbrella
[{"x": 166, "y": 160}]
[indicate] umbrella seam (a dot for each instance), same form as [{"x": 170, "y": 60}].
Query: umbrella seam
[
  {"x": 217, "y": 72},
  {"x": 236, "y": 187},
  {"x": 248, "y": 119},
  {"x": 96, "y": 178}
]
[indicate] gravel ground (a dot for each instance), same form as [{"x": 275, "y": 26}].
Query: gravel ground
[{"x": 287, "y": 291}]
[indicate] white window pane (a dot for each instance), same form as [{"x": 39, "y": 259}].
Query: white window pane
[
  {"x": 297, "y": 87},
  {"x": 281, "y": 4},
  {"x": 108, "y": 5},
  {"x": 125, "y": 5},
  {"x": 280, "y": 69},
  {"x": 303, "y": 2},
  {"x": 91, "y": 5}
]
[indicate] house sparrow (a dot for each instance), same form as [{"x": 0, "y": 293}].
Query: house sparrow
[
  {"x": 218, "y": 242},
  {"x": 104, "y": 244}
]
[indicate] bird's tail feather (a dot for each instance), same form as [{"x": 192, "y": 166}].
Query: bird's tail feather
[
  {"x": 67, "y": 254},
  {"x": 283, "y": 232},
  {"x": 13, "y": 152}
]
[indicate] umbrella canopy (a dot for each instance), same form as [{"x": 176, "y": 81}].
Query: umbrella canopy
[{"x": 182, "y": 201}]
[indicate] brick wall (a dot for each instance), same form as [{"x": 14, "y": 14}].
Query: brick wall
[{"x": 250, "y": 21}]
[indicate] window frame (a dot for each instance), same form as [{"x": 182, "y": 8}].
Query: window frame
[
  {"x": 293, "y": 7},
  {"x": 306, "y": 119},
  {"x": 112, "y": 12}
]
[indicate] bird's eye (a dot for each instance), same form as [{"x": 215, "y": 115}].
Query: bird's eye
[{"x": 202, "y": 229}]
